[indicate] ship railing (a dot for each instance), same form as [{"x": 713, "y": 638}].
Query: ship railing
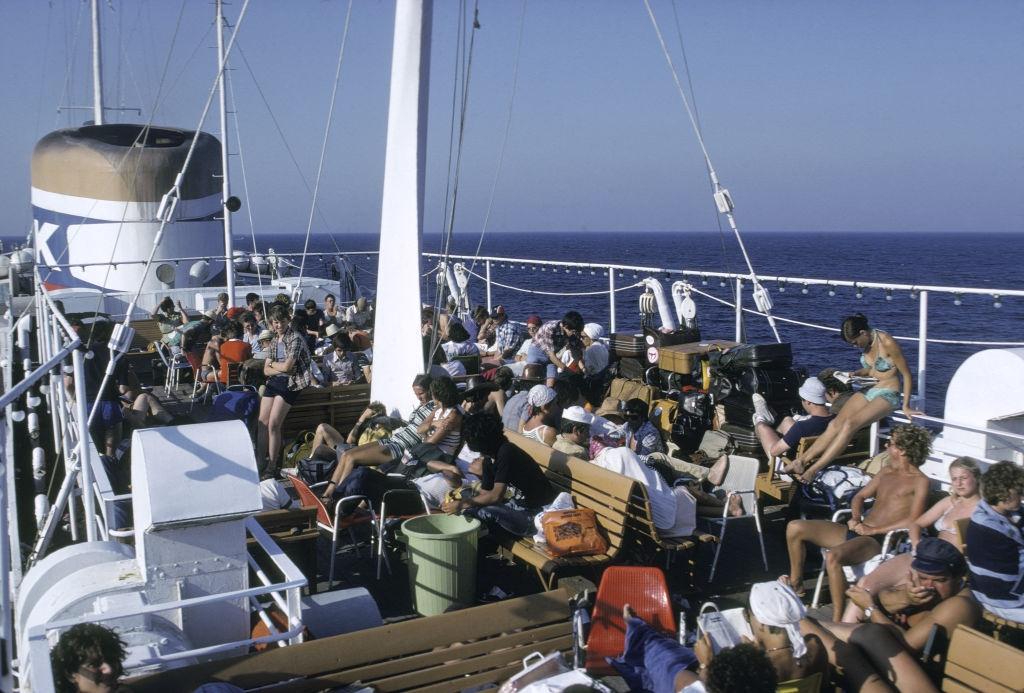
[{"x": 284, "y": 594}]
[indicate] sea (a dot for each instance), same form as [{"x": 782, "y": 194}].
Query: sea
[{"x": 991, "y": 261}]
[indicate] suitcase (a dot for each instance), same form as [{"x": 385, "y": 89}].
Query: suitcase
[
  {"x": 628, "y": 344},
  {"x": 688, "y": 430},
  {"x": 738, "y": 408},
  {"x": 774, "y": 384},
  {"x": 683, "y": 358},
  {"x": 743, "y": 436},
  {"x": 625, "y": 390},
  {"x": 663, "y": 413},
  {"x": 631, "y": 369},
  {"x": 683, "y": 335},
  {"x": 754, "y": 355}
]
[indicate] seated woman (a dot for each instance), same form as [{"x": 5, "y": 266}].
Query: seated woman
[
  {"x": 995, "y": 543},
  {"x": 459, "y": 342},
  {"x": 882, "y": 359},
  {"x": 389, "y": 450},
  {"x": 140, "y": 406},
  {"x": 964, "y": 477},
  {"x": 900, "y": 491},
  {"x": 170, "y": 319},
  {"x": 540, "y": 403},
  {"x": 326, "y": 438}
]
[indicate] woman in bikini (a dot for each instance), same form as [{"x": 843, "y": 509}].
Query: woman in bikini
[
  {"x": 882, "y": 360},
  {"x": 540, "y": 400},
  {"x": 964, "y": 493}
]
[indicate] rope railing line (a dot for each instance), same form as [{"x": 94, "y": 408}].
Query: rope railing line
[
  {"x": 603, "y": 292},
  {"x": 826, "y": 328}
]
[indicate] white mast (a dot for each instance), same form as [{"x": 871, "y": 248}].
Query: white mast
[
  {"x": 229, "y": 263},
  {"x": 398, "y": 352},
  {"x": 97, "y": 66}
]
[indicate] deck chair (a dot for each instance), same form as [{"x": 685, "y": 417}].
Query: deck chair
[
  {"x": 641, "y": 587},
  {"x": 740, "y": 480},
  {"x": 347, "y": 516},
  {"x": 174, "y": 363},
  {"x": 856, "y": 572},
  {"x": 396, "y": 506}
]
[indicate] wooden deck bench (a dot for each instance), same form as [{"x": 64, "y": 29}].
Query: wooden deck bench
[
  {"x": 338, "y": 406},
  {"x": 450, "y": 652},
  {"x": 606, "y": 493},
  {"x": 976, "y": 662},
  {"x": 641, "y": 519}
]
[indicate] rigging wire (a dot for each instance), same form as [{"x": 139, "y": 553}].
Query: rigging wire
[
  {"x": 504, "y": 139},
  {"x": 696, "y": 117},
  {"x": 450, "y": 226},
  {"x": 726, "y": 205},
  {"x": 327, "y": 134},
  {"x": 245, "y": 187},
  {"x": 70, "y": 51}
]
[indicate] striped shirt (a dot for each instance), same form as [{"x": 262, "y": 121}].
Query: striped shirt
[{"x": 995, "y": 557}]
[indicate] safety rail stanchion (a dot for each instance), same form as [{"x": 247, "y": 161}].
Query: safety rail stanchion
[
  {"x": 84, "y": 452},
  {"x": 922, "y": 349},
  {"x": 873, "y": 442},
  {"x": 739, "y": 309},
  {"x": 611, "y": 300},
  {"x": 487, "y": 267}
]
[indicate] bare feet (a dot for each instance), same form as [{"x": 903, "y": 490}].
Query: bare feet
[
  {"x": 716, "y": 475},
  {"x": 627, "y": 611},
  {"x": 735, "y": 506}
]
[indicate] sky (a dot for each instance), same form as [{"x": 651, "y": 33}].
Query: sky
[{"x": 818, "y": 116}]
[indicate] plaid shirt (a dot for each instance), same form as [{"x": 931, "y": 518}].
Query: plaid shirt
[
  {"x": 295, "y": 348},
  {"x": 545, "y": 337},
  {"x": 507, "y": 336}
]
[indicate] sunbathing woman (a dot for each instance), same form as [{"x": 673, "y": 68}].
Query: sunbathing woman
[
  {"x": 883, "y": 360},
  {"x": 964, "y": 489},
  {"x": 138, "y": 404}
]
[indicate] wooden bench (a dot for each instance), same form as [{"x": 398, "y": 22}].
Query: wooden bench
[
  {"x": 463, "y": 649},
  {"x": 641, "y": 519},
  {"x": 976, "y": 662},
  {"x": 338, "y": 406},
  {"x": 606, "y": 493}
]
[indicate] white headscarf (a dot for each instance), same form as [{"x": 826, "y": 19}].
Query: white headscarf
[
  {"x": 540, "y": 395},
  {"x": 775, "y": 604},
  {"x": 593, "y": 330}
]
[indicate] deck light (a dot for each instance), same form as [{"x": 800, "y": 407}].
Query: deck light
[
  {"x": 543, "y": 269},
  {"x": 704, "y": 279},
  {"x": 782, "y": 286},
  {"x": 957, "y": 300},
  {"x": 831, "y": 290},
  {"x": 913, "y": 294},
  {"x": 996, "y": 301},
  {"x": 33, "y": 401},
  {"x": 17, "y": 415},
  {"x": 860, "y": 291},
  {"x": 888, "y": 294},
  {"x": 805, "y": 290},
  {"x": 721, "y": 282}
]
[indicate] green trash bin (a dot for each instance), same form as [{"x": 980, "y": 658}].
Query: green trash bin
[{"x": 442, "y": 562}]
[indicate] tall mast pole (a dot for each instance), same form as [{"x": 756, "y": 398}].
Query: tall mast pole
[
  {"x": 97, "y": 66},
  {"x": 229, "y": 250}
]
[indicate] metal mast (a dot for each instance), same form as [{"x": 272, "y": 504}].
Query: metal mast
[
  {"x": 97, "y": 66},
  {"x": 229, "y": 250}
]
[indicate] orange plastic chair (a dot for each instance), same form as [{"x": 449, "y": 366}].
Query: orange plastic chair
[
  {"x": 645, "y": 590},
  {"x": 347, "y": 515}
]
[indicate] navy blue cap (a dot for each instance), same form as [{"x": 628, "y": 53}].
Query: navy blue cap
[{"x": 936, "y": 556}]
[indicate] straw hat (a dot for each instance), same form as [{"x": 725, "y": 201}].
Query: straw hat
[
  {"x": 332, "y": 329},
  {"x": 265, "y": 334}
]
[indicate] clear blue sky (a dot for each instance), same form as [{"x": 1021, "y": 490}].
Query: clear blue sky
[{"x": 847, "y": 115}]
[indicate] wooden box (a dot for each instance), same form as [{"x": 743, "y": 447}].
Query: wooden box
[{"x": 683, "y": 358}]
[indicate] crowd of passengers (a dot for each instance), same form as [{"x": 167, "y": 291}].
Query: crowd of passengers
[{"x": 453, "y": 449}]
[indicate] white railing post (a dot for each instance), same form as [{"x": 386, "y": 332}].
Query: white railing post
[
  {"x": 739, "y": 309},
  {"x": 873, "y": 440},
  {"x": 611, "y": 300},
  {"x": 487, "y": 267},
  {"x": 84, "y": 454},
  {"x": 922, "y": 349}
]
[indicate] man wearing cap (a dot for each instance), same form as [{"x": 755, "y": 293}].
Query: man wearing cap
[
  {"x": 641, "y": 435},
  {"x": 786, "y": 436},
  {"x": 574, "y": 436},
  {"x": 934, "y": 594}
]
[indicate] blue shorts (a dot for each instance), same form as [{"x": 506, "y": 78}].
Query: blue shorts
[
  {"x": 894, "y": 398},
  {"x": 277, "y": 386},
  {"x": 108, "y": 414},
  {"x": 535, "y": 355}
]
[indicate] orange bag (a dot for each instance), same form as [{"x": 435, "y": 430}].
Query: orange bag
[{"x": 573, "y": 533}]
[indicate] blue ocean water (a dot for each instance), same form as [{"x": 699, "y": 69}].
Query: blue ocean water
[{"x": 989, "y": 261}]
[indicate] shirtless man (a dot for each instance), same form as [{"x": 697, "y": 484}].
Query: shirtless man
[
  {"x": 898, "y": 621},
  {"x": 900, "y": 491}
]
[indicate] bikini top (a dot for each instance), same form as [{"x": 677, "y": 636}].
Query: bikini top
[
  {"x": 940, "y": 524},
  {"x": 882, "y": 364}
]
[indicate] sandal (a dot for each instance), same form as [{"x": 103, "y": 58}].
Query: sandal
[{"x": 328, "y": 497}]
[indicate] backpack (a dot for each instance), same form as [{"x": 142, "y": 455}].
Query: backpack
[
  {"x": 834, "y": 487},
  {"x": 299, "y": 449},
  {"x": 315, "y": 471},
  {"x": 235, "y": 404}
]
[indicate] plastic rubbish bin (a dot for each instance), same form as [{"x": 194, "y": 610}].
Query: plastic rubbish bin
[{"x": 442, "y": 562}]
